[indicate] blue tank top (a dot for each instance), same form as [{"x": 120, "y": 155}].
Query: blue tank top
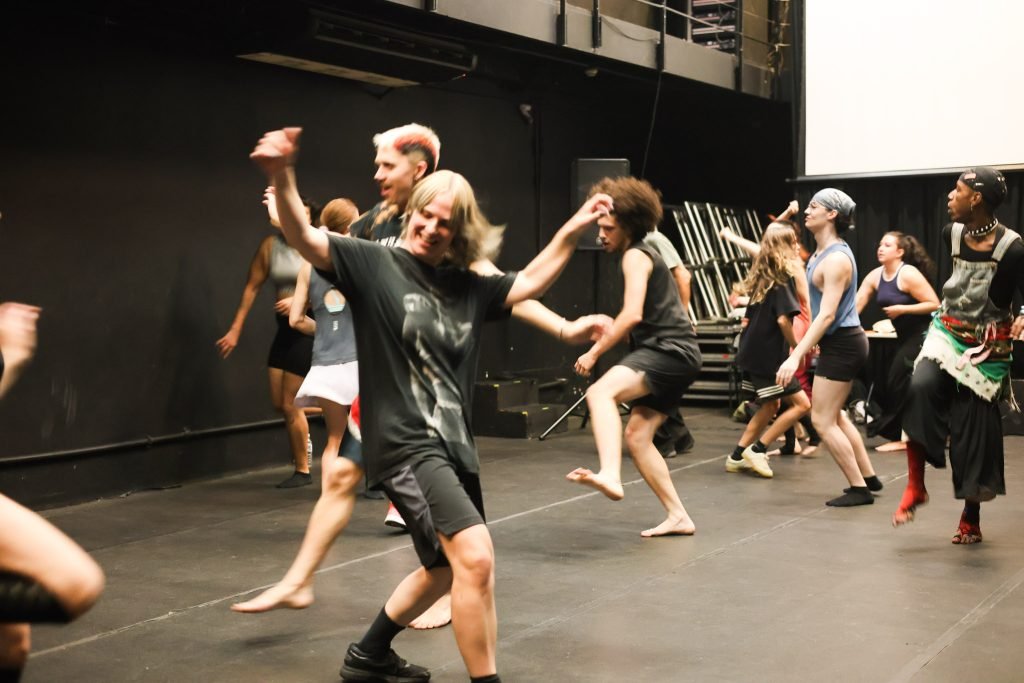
[
  {"x": 846, "y": 312},
  {"x": 889, "y": 294}
]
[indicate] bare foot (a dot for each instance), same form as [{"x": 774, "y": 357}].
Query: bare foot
[
  {"x": 671, "y": 527},
  {"x": 612, "y": 489},
  {"x": 810, "y": 451},
  {"x": 908, "y": 506},
  {"x": 437, "y": 615},
  {"x": 278, "y": 596},
  {"x": 892, "y": 447}
]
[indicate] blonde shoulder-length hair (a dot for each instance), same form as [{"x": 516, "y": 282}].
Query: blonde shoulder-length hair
[
  {"x": 774, "y": 264},
  {"x": 474, "y": 237}
]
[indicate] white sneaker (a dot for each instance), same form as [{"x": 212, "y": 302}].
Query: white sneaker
[
  {"x": 758, "y": 462},
  {"x": 394, "y": 517},
  {"x": 736, "y": 465}
]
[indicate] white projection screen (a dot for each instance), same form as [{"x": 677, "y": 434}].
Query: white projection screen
[{"x": 912, "y": 86}]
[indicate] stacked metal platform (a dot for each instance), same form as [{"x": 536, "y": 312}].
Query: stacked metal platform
[{"x": 716, "y": 265}]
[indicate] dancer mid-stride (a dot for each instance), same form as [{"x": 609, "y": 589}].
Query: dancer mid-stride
[
  {"x": 963, "y": 370},
  {"x": 664, "y": 358}
]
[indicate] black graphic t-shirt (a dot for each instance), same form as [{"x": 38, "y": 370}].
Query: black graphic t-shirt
[
  {"x": 418, "y": 340},
  {"x": 383, "y": 223}
]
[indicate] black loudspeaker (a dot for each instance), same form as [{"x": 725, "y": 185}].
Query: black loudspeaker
[{"x": 586, "y": 172}]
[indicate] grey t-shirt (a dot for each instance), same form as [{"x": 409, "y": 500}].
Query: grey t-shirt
[
  {"x": 663, "y": 245},
  {"x": 418, "y": 337}
]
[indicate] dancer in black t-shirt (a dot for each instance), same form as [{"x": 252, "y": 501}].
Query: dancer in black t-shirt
[
  {"x": 765, "y": 344},
  {"x": 664, "y": 358},
  {"x": 418, "y": 312}
]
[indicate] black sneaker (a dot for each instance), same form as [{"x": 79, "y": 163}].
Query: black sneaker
[
  {"x": 360, "y": 667},
  {"x": 296, "y": 480},
  {"x": 685, "y": 444}
]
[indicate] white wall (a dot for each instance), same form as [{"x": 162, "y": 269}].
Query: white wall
[{"x": 899, "y": 85}]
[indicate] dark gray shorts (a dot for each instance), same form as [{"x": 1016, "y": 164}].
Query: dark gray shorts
[
  {"x": 667, "y": 375},
  {"x": 432, "y": 498}
]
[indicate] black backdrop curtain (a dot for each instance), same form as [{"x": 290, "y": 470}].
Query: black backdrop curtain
[{"x": 915, "y": 205}]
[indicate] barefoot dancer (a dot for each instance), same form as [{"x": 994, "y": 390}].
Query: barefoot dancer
[
  {"x": 902, "y": 288},
  {"x": 418, "y": 313},
  {"x": 333, "y": 383},
  {"x": 290, "y": 352},
  {"x": 963, "y": 369},
  {"x": 663, "y": 362},
  {"x": 835, "y": 327}
]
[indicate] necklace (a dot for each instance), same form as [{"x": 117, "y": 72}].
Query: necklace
[{"x": 982, "y": 231}]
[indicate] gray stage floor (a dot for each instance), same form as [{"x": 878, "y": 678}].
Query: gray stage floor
[{"x": 774, "y": 586}]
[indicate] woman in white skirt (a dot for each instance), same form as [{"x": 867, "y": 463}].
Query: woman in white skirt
[{"x": 332, "y": 384}]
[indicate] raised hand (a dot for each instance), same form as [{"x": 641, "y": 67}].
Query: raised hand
[
  {"x": 277, "y": 150},
  {"x": 270, "y": 201},
  {"x": 595, "y": 207}
]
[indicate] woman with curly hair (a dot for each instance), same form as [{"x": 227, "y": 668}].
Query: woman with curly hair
[
  {"x": 765, "y": 344},
  {"x": 901, "y": 286}
]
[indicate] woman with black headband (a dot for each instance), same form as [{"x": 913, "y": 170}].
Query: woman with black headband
[
  {"x": 963, "y": 370},
  {"x": 835, "y": 328}
]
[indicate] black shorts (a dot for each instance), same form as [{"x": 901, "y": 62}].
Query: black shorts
[
  {"x": 432, "y": 497},
  {"x": 763, "y": 388},
  {"x": 291, "y": 350},
  {"x": 843, "y": 354},
  {"x": 668, "y": 375}
]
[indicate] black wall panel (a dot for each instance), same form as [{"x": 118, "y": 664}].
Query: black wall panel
[{"x": 130, "y": 213}]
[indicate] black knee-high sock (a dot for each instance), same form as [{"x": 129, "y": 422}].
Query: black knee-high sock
[
  {"x": 812, "y": 434},
  {"x": 790, "y": 445},
  {"x": 972, "y": 513},
  {"x": 377, "y": 640},
  {"x": 24, "y": 600}
]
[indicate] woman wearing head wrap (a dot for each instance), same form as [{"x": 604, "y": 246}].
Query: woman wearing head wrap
[
  {"x": 835, "y": 328},
  {"x": 963, "y": 369}
]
